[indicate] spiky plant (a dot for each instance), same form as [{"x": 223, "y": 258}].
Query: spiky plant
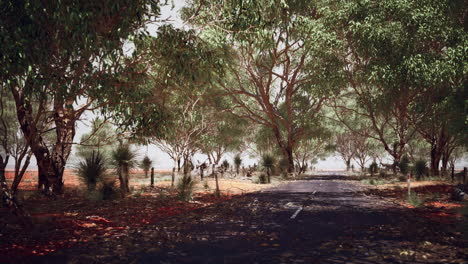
[
  {"x": 268, "y": 162},
  {"x": 91, "y": 169},
  {"x": 145, "y": 165},
  {"x": 124, "y": 159},
  {"x": 420, "y": 169},
  {"x": 185, "y": 187},
  {"x": 225, "y": 165},
  {"x": 237, "y": 163}
]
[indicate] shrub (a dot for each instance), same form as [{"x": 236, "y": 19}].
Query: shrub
[
  {"x": 373, "y": 168},
  {"x": 109, "y": 191},
  {"x": 262, "y": 179},
  {"x": 206, "y": 185},
  {"x": 420, "y": 168},
  {"x": 91, "y": 169},
  {"x": 402, "y": 178},
  {"x": 185, "y": 187},
  {"x": 268, "y": 162},
  {"x": 145, "y": 165},
  {"x": 124, "y": 160},
  {"x": 225, "y": 165},
  {"x": 404, "y": 164},
  {"x": 383, "y": 174},
  {"x": 237, "y": 162},
  {"x": 415, "y": 200},
  {"x": 283, "y": 164}
]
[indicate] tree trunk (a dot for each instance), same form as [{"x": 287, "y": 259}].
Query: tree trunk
[
  {"x": 435, "y": 160},
  {"x": 268, "y": 175},
  {"x": 173, "y": 177},
  {"x": 348, "y": 164},
  {"x": 218, "y": 193},
  {"x": 445, "y": 161},
  {"x": 152, "y": 176},
  {"x": 50, "y": 163},
  {"x": 19, "y": 173},
  {"x": 178, "y": 165}
]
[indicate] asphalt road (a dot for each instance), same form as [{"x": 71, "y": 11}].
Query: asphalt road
[{"x": 323, "y": 219}]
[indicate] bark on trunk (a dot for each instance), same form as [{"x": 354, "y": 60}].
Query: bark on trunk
[
  {"x": 51, "y": 162},
  {"x": 435, "y": 161},
  {"x": 173, "y": 177},
  {"x": 19, "y": 173},
  {"x": 348, "y": 164},
  {"x": 218, "y": 193}
]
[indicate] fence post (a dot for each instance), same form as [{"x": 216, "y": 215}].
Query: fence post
[
  {"x": 464, "y": 175},
  {"x": 408, "y": 181},
  {"x": 152, "y": 176}
]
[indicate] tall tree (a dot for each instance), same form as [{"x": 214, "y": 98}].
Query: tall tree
[
  {"x": 282, "y": 62},
  {"x": 53, "y": 54},
  {"x": 395, "y": 52}
]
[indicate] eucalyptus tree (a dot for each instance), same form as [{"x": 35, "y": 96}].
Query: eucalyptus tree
[
  {"x": 281, "y": 58},
  {"x": 315, "y": 145},
  {"x": 396, "y": 52},
  {"x": 12, "y": 143},
  {"x": 66, "y": 58},
  {"x": 345, "y": 147},
  {"x": 181, "y": 89}
]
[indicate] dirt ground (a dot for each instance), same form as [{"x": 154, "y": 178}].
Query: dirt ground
[{"x": 78, "y": 217}]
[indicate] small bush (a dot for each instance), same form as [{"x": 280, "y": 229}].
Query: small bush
[
  {"x": 91, "y": 169},
  {"x": 262, "y": 179},
  {"x": 402, "y": 178},
  {"x": 284, "y": 176},
  {"x": 415, "y": 200},
  {"x": 206, "y": 185},
  {"x": 145, "y": 165},
  {"x": 404, "y": 164},
  {"x": 185, "y": 187},
  {"x": 373, "y": 181},
  {"x": 225, "y": 165},
  {"x": 109, "y": 191},
  {"x": 383, "y": 175},
  {"x": 420, "y": 169}
]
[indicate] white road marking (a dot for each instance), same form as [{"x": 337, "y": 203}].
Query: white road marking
[{"x": 296, "y": 213}]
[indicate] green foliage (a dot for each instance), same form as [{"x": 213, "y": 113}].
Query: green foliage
[
  {"x": 109, "y": 191},
  {"x": 185, "y": 187},
  {"x": 420, "y": 169},
  {"x": 383, "y": 174},
  {"x": 145, "y": 165},
  {"x": 404, "y": 164},
  {"x": 283, "y": 165},
  {"x": 268, "y": 161},
  {"x": 262, "y": 178},
  {"x": 414, "y": 200},
  {"x": 124, "y": 155},
  {"x": 373, "y": 181},
  {"x": 92, "y": 169},
  {"x": 225, "y": 165},
  {"x": 102, "y": 138},
  {"x": 237, "y": 161}
]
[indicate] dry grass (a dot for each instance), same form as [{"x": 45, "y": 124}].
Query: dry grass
[
  {"x": 226, "y": 185},
  {"x": 414, "y": 184}
]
